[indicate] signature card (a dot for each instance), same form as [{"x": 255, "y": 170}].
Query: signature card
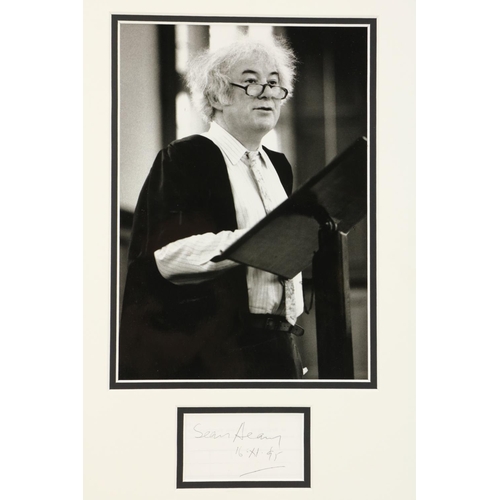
[{"x": 243, "y": 447}]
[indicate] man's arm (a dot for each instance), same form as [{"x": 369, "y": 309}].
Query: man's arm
[
  {"x": 178, "y": 217},
  {"x": 188, "y": 260}
]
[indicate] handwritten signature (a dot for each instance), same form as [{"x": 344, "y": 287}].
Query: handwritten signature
[
  {"x": 260, "y": 470},
  {"x": 241, "y": 434}
]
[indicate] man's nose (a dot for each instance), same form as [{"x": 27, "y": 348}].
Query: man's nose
[{"x": 266, "y": 93}]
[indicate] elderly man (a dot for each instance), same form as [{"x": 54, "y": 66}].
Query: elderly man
[{"x": 184, "y": 316}]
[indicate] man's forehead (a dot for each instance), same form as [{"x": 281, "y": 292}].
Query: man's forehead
[
  {"x": 254, "y": 72},
  {"x": 254, "y": 66}
]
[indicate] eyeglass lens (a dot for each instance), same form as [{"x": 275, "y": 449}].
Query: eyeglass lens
[{"x": 256, "y": 89}]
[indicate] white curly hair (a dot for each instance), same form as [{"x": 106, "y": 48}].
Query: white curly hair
[{"x": 207, "y": 76}]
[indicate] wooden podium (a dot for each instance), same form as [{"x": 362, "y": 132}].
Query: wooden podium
[{"x": 308, "y": 228}]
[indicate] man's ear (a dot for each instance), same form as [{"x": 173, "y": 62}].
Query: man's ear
[{"x": 214, "y": 102}]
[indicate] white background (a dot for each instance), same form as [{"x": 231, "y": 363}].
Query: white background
[
  {"x": 458, "y": 277},
  {"x": 227, "y": 447}
]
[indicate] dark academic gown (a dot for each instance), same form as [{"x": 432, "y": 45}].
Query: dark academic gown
[{"x": 170, "y": 331}]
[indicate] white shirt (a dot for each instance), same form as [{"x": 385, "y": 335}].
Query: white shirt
[{"x": 188, "y": 260}]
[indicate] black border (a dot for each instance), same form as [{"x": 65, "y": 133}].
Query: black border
[
  {"x": 306, "y": 483},
  {"x": 312, "y": 384}
]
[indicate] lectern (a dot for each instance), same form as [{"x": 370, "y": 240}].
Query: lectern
[{"x": 308, "y": 228}]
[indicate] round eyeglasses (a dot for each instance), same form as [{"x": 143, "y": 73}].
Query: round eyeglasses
[{"x": 257, "y": 89}]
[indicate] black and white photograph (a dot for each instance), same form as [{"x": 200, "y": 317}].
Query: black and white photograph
[
  {"x": 243, "y": 202},
  {"x": 249, "y": 177}
]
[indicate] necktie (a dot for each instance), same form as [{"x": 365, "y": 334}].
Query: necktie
[{"x": 255, "y": 164}]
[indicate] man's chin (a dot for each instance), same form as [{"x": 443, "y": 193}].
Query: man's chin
[{"x": 264, "y": 126}]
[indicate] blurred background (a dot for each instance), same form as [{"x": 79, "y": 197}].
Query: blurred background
[{"x": 326, "y": 114}]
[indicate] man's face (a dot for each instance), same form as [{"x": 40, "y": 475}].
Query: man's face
[{"x": 250, "y": 117}]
